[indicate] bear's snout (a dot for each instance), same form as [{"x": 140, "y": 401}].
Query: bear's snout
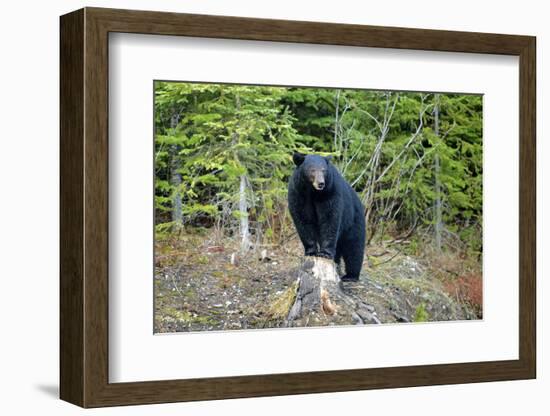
[{"x": 319, "y": 181}]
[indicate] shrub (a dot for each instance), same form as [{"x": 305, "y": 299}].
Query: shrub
[{"x": 420, "y": 314}]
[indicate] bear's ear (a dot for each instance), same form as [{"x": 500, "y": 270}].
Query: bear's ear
[
  {"x": 328, "y": 158},
  {"x": 298, "y": 158}
]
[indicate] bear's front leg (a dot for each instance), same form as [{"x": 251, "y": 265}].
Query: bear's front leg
[
  {"x": 329, "y": 226},
  {"x": 327, "y": 244},
  {"x": 311, "y": 250},
  {"x": 308, "y": 235}
]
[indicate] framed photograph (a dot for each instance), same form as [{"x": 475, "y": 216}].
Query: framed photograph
[{"x": 254, "y": 207}]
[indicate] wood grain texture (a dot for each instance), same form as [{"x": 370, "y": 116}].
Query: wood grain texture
[
  {"x": 527, "y": 207},
  {"x": 84, "y": 207},
  {"x": 71, "y": 208},
  {"x": 162, "y": 23},
  {"x": 96, "y": 208}
]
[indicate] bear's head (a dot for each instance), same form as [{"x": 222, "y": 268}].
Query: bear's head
[{"x": 315, "y": 169}]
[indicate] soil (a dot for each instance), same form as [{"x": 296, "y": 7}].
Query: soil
[{"x": 207, "y": 285}]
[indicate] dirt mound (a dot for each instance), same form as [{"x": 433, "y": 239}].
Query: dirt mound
[{"x": 199, "y": 288}]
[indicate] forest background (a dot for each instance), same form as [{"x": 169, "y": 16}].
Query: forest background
[{"x": 223, "y": 156}]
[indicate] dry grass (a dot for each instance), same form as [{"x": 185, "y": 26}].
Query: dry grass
[
  {"x": 278, "y": 309},
  {"x": 461, "y": 276},
  {"x": 467, "y": 289}
]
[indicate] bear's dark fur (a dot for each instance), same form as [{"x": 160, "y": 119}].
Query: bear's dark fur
[{"x": 327, "y": 213}]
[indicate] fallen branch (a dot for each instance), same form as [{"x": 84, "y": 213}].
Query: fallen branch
[{"x": 388, "y": 260}]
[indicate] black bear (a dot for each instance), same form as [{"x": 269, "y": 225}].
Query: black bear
[{"x": 327, "y": 213}]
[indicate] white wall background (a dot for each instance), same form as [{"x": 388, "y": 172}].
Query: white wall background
[{"x": 29, "y": 158}]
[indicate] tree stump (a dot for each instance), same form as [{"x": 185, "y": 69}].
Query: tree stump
[
  {"x": 317, "y": 284},
  {"x": 321, "y": 299}
]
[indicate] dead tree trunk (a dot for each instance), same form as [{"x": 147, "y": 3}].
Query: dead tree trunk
[
  {"x": 437, "y": 173},
  {"x": 243, "y": 209},
  {"x": 175, "y": 176},
  {"x": 321, "y": 300}
]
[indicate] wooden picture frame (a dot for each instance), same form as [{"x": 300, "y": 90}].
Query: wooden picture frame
[{"x": 84, "y": 207}]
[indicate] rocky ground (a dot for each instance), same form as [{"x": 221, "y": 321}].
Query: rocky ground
[{"x": 201, "y": 285}]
